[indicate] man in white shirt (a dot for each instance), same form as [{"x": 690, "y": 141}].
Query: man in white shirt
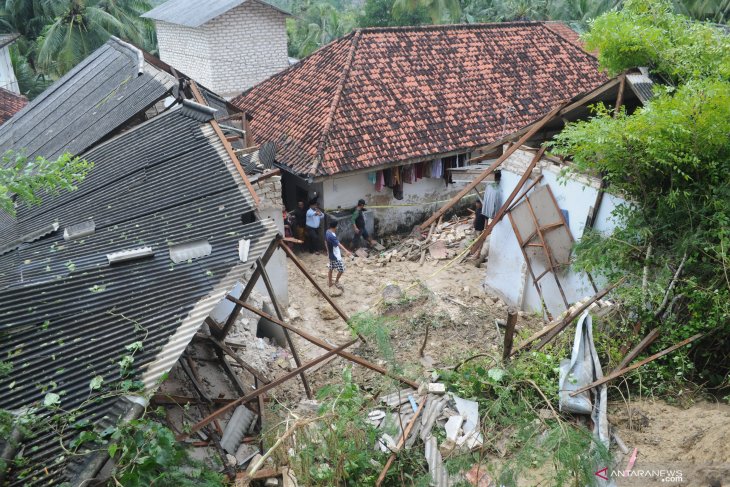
[{"x": 314, "y": 220}]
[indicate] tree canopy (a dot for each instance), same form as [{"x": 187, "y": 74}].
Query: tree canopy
[{"x": 671, "y": 162}]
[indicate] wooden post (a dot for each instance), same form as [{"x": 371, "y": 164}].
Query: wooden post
[
  {"x": 280, "y": 315},
  {"x": 300, "y": 266},
  {"x": 325, "y": 345},
  {"x": 648, "y": 340},
  {"x": 509, "y": 333}
]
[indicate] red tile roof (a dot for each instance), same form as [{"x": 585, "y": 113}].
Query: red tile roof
[
  {"x": 564, "y": 30},
  {"x": 385, "y": 95},
  {"x": 10, "y": 104}
]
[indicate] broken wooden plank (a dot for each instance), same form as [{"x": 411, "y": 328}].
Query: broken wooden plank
[
  {"x": 532, "y": 131},
  {"x": 402, "y": 441},
  {"x": 647, "y": 340},
  {"x": 551, "y": 331},
  {"x": 625, "y": 370}
]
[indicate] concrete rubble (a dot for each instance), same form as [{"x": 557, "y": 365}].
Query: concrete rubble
[{"x": 457, "y": 417}]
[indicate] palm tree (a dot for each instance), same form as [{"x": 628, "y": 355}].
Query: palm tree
[
  {"x": 579, "y": 12},
  {"x": 317, "y": 25},
  {"x": 81, "y": 26},
  {"x": 717, "y": 11},
  {"x": 439, "y": 10}
]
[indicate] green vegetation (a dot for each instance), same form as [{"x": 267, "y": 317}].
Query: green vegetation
[
  {"x": 671, "y": 161},
  {"x": 25, "y": 180},
  {"x": 56, "y": 35}
]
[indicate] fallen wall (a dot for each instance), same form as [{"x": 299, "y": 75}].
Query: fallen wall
[{"x": 507, "y": 274}]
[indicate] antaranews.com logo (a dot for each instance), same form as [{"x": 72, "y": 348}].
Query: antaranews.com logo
[{"x": 667, "y": 476}]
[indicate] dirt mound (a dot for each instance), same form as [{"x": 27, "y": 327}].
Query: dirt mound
[{"x": 695, "y": 440}]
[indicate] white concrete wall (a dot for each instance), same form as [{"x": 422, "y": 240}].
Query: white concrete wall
[
  {"x": 269, "y": 191},
  {"x": 187, "y": 50},
  {"x": 247, "y": 45},
  {"x": 507, "y": 274},
  {"x": 419, "y": 199},
  {"x": 7, "y": 73}
]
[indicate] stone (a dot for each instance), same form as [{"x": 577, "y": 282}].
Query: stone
[
  {"x": 478, "y": 476},
  {"x": 436, "y": 388},
  {"x": 327, "y": 313},
  {"x": 231, "y": 460},
  {"x": 392, "y": 293},
  {"x": 447, "y": 448},
  {"x": 293, "y": 314},
  {"x": 271, "y": 482}
]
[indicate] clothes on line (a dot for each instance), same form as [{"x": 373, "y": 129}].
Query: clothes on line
[
  {"x": 396, "y": 177},
  {"x": 491, "y": 203}
]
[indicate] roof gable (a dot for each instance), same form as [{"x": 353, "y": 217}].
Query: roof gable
[
  {"x": 380, "y": 96},
  {"x": 193, "y": 13}
]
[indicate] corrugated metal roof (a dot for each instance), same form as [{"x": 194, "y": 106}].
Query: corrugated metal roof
[
  {"x": 67, "y": 314},
  {"x": 98, "y": 96},
  {"x": 642, "y": 86},
  {"x": 193, "y": 13}
]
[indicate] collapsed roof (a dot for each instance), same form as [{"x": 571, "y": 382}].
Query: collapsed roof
[
  {"x": 386, "y": 95},
  {"x": 131, "y": 263}
]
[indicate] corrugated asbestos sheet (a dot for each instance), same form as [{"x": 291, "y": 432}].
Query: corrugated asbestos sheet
[
  {"x": 66, "y": 314},
  {"x": 193, "y": 13},
  {"x": 92, "y": 100}
]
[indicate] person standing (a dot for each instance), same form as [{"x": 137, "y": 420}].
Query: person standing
[
  {"x": 479, "y": 219},
  {"x": 313, "y": 221},
  {"x": 358, "y": 225},
  {"x": 334, "y": 251},
  {"x": 300, "y": 218}
]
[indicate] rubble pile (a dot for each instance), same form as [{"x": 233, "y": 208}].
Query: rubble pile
[
  {"x": 457, "y": 417},
  {"x": 444, "y": 241}
]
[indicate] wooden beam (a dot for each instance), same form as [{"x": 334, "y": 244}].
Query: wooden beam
[
  {"x": 211, "y": 417},
  {"x": 226, "y": 145},
  {"x": 280, "y": 315},
  {"x": 623, "y": 371},
  {"x": 300, "y": 266},
  {"x": 645, "y": 342},
  {"x": 325, "y": 345},
  {"x": 557, "y": 326},
  {"x": 492, "y": 167},
  {"x": 620, "y": 97},
  {"x": 508, "y": 202},
  {"x": 401, "y": 442}
]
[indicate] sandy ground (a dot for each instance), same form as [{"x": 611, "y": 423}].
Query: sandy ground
[
  {"x": 461, "y": 317},
  {"x": 694, "y": 440}
]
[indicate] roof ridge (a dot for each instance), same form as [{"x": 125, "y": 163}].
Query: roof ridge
[
  {"x": 335, "y": 102},
  {"x": 562, "y": 37},
  {"x": 481, "y": 25}
]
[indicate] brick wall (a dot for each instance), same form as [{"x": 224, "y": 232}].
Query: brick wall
[
  {"x": 230, "y": 53},
  {"x": 185, "y": 49},
  {"x": 248, "y": 44},
  {"x": 269, "y": 191}
]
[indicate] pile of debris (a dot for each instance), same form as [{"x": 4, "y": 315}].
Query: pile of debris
[
  {"x": 442, "y": 241},
  {"x": 409, "y": 415}
]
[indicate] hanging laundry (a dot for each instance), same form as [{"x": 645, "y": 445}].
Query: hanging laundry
[
  {"x": 419, "y": 170},
  {"x": 379, "y": 181},
  {"x": 427, "y": 166},
  {"x": 388, "y": 176},
  {"x": 437, "y": 168},
  {"x": 490, "y": 202},
  {"x": 373, "y": 177},
  {"x": 397, "y": 176},
  {"x": 409, "y": 174}
]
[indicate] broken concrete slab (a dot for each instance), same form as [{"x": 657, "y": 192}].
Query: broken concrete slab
[
  {"x": 436, "y": 388},
  {"x": 437, "y": 250},
  {"x": 470, "y": 411},
  {"x": 453, "y": 427}
]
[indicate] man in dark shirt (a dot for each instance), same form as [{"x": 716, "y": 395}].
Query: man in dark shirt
[
  {"x": 479, "y": 219},
  {"x": 300, "y": 218},
  {"x": 358, "y": 224}
]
